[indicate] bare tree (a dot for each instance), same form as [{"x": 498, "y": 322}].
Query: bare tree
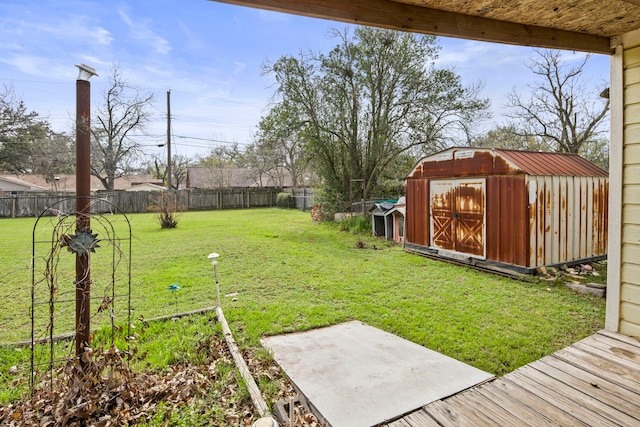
[
  {"x": 218, "y": 177},
  {"x": 509, "y": 138},
  {"x": 561, "y": 110},
  {"x": 179, "y": 165},
  {"x": 126, "y": 108},
  {"x": 221, "y": 164}
]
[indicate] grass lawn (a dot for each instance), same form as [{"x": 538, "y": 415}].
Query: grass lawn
[{"x": 280, "y": 272}]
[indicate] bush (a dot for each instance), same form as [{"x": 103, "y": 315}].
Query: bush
[
  {"x": 285, "y": 201},
  {"x": 330, "y": 202},
  {"x": 356, "y": 224},
  {"x": 166, "y": 208}
]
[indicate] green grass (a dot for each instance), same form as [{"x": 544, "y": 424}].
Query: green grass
[{"x": 285, "y": 274}]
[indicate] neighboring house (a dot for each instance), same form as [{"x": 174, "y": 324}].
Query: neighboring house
[
  {"x": 146, "y": 186},
  {"x": 67, "y": 183},
  {"x": 12, "y": 185},
  {"x": 506, "y": 208},
  {"x": 208, "y": 177}
]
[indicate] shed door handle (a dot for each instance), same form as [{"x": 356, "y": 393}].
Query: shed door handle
[{"x": 455, "y": 215}]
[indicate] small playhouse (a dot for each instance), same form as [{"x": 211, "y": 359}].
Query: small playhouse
[
  {"x": 507, "y": 209},
  {"x": 387, "y": 219}
]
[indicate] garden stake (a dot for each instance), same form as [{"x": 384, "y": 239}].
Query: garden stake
[
  {"x": 254, "y": 392},
  {"x": 214, "y": 261}
]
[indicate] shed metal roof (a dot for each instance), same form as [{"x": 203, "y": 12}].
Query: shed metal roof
[
  {"x": 543, "y": 163},
  {"x": 471, "y": 161}
]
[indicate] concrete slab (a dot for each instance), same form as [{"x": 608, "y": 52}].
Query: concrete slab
[{"x": 356, "y": 375}]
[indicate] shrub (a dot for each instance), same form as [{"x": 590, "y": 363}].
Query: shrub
[
  {"x": 166, "y": 208},
  {"x": 331, "y": 202},
  {"x": 285, "y": 201},
  {"x": 357, "y": 224}
]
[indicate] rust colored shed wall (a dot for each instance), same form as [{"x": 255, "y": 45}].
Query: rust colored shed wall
[
  {"x": 507, "y": 220},
  {"x": 417, "y": 217}
]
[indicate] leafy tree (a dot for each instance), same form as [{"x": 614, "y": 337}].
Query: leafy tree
[
  {"x": 560, "y": 110},
  {"x": 22, "y": 133},
  {"x": 376, "y": 95},
  {"x": 125, "y": 109},
  {"x": 597, "y": 152},
  {"x": 279, "y": 145},
  {"x": 54, "y": 155}
]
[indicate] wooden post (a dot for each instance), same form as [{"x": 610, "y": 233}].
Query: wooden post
[{"x": 83, "y": 208}]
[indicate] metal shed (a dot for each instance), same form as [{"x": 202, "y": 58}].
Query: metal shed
[{"x": 507, "y": 208}]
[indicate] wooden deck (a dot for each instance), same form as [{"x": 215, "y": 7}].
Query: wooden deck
[{"x": 594, "y": 382}]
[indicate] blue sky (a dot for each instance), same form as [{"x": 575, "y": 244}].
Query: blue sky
[{"x": 209, "y": 55}]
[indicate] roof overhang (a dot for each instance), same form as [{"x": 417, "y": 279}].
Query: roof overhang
[{"x": 581, "y": 25}]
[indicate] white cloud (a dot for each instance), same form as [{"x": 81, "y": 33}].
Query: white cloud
[
  {"x": 464, "y": 53},
  {"x": 76, "y": 28},
  {"x": 272, "y": 17},
  {"x": 141, "y": 31},
  {"x": 239, "y": 66},
  {"x": 194, "y": 42},
  {"x": 40, "y": 66}
]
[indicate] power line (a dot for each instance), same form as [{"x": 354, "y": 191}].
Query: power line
[{"x": 204, "y": 139}]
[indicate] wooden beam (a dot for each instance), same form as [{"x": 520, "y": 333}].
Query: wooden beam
[
  {"x": 254, "y": 392},
  {"x": 400, "y": 16}
]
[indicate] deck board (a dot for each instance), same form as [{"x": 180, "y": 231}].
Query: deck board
[
  {"x": 421, "y": 419},
  {"x": 602, "y": 388},
  {"x": 600, "y": 367},
  {"x": 583, "y": 397},
  {"x": 523, "y": 412},
  {"x": 559, "y": 397},
  {"x": 497, "y": 413},
  {"x": 594, "y": 382}
]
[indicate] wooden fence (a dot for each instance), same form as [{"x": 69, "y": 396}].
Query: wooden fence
[
  {"x": 31, "y": 205},
  {"x": 303, "y": 198}
]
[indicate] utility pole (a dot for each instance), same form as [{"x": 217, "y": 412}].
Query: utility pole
[{"x": 169, "y": 139}]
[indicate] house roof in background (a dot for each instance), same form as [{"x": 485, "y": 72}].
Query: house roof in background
[
  {"x": 146, "y": 186},
  {"x": 11, "y": 183},
  {"x": 67, "y": 182}
]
